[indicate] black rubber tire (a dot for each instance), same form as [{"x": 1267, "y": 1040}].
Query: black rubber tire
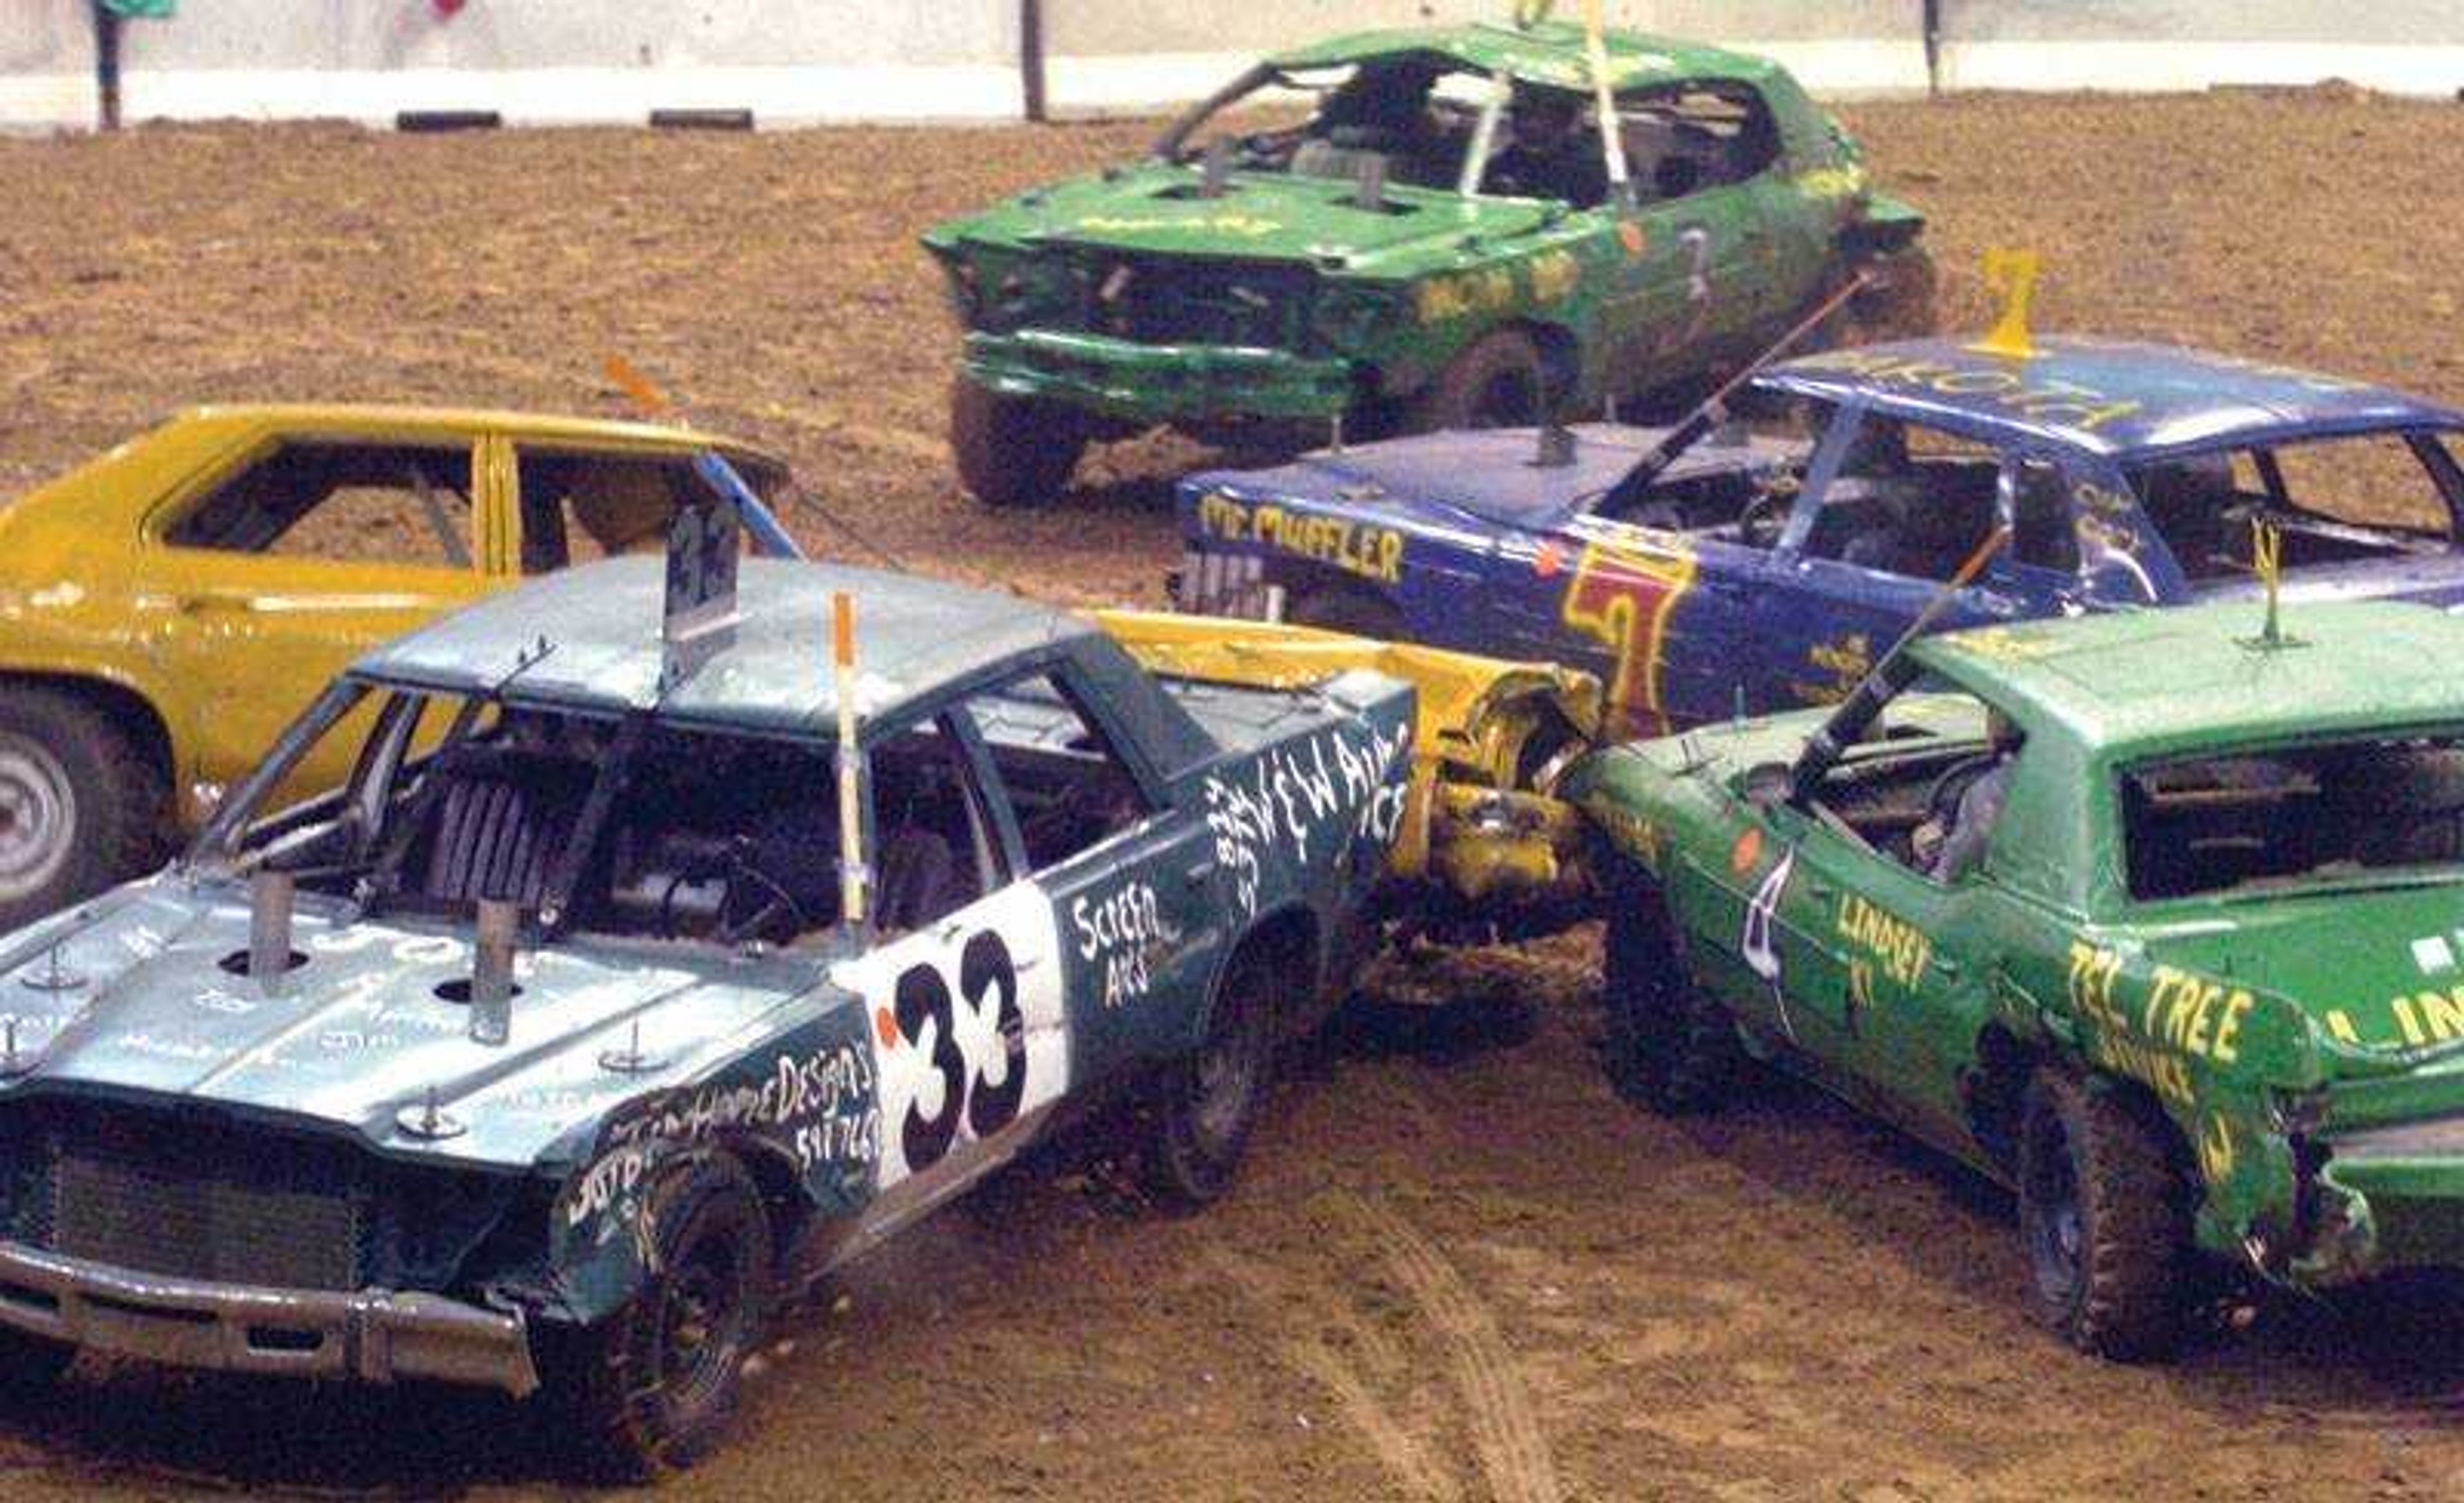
[
  {"x": 1207, "y": 1105},
  {"x": 1012, "y": 450},
  {"x": 639, "y": 1403},
  {"x": 2104, "y": 1217},
  {"x": 30, "y": 1365},
  {"x": 65, "y": 760},
  {"x": 1498, "y": 382},
  {"x": 1350, "y": 609},
  {"x": 1670, "y": 1047}
]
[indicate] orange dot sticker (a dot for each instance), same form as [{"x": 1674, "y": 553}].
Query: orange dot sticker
[
  {"x": 1747, "y": 851},
  {"x": 1547, "y": 561},
  {"x": 884, "y": 1024},
  {"x": 1632, "y": 235}
]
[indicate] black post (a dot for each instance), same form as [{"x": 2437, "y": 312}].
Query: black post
[
  {"x": 1030, "y": 57},
  {"x": 1933, "y": 46},
  {"x": 107, "y": 63}
]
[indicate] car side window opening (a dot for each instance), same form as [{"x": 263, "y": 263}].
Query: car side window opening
[
  {"x": 630, "y": 828},
  {"x": 372, "y": 503},
  {"x": 2334, "y": 500},
  {"x": 2284, "y": 818},
  {"x": 2044, "y": 530},
  {"x": 578, "y": 508},
  {"x": 1410, "y": 119},
  {"x": 1748, "y": 502},
  {"x": 1925, "y": 786},
  {"x": 1687, "y": 138},
  {"x": 1909, "y": 500},
  {"x": 1067, "y": 782}
]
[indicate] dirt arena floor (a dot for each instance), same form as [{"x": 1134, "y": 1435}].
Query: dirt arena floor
[{"x": 1457, "y": 1267}]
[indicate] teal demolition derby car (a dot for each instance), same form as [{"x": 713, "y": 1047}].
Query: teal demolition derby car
[{"x": 618, "y": 988}]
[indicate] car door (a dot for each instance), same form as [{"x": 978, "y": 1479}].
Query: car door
[
  {"x": 1847, "y": 579},
  {"x": 1132, "y": 879},
  {"x": 966, "y": 987},
  {"x": 1660, "y": 616},
  {"x": 279, "y": 567},
  {"x": 1896, "y": 984}
]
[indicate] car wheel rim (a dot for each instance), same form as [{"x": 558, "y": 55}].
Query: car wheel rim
[
  {"x": 37, "y": 817},
  {"x": 701, "y": 1324},
  {"x": 1227, "y": 1073},
  {"x": 2056, "y": 1229}
]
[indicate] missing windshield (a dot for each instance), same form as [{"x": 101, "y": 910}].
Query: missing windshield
[{"x": 2294, "y": 816}]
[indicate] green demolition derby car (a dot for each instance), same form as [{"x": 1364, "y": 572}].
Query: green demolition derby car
[
  {"x": 2154, "y": 916},
  {"x": 1450, "y": 238}
]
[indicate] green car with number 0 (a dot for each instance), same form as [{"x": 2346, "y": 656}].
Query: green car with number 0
[
  {"x": 1435, "y": 226},
  {"x": 2156, "y": 916}
]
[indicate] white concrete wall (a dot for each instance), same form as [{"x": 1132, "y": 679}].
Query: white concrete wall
[
  {"x": 537, "y": 61},
  {"x": 45, "y": 64},
  {"x": 790, "y": 61}
]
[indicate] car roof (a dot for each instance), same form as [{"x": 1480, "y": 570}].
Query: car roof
[
  {"x": 2145, "y": 683},
  {"x": 589, "y": 638},
  {"x": 2129, "y": 400},
  {"x": 387, "y": 419},
  {"x": 1486, "y": 472},
  {"x": 1547, "y": 54}
]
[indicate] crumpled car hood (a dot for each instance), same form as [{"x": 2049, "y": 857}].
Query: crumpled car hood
[
  {"x": 157, "y": 1004},
  {"x": 1264, "y": 216}
]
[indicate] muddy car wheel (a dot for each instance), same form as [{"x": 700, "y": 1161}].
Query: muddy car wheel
[
  {"x": 1209, "y": 1103},
  {"x": 651, "y": 1389},
  {"x": 1349, "y": 609},
  {"x": 1012, "y": 450},
  {"x": 2104, "y": 1217},
  {"x": 1669, "y": 1047},
  {"x": 1498, "y": 382},
  {"x": 28, "y": 1364},
  {"x": 82, "y": 806}
]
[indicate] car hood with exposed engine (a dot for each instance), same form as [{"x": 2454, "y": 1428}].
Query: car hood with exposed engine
[
  {"x": 144, "y": 994},
  {"x": 1160, "y": 210}
]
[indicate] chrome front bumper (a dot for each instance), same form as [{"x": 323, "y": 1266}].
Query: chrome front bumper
[{"x": 371, "y": 1337}]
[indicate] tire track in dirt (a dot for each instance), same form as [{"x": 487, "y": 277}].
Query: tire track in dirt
[
  {"x": 1506, "y": 1429},
  {"x": 1419, "y": 1472}
]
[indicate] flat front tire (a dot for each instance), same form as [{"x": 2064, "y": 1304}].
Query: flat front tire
[
  {"x": 651, "y": 1389},
  {"x": 2104, "y": 1216},
  {"x": 1012, "y": 450}
]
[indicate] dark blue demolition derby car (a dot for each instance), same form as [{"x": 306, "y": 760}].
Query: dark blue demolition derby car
[
  {"x": 1764, "y": 560},
  {"x": 639, "y": 971}
]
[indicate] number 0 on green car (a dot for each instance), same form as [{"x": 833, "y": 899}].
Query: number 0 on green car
[{"x": 2154, "y": 916}]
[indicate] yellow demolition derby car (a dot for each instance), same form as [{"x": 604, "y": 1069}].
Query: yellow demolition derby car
[{"x": 173, "y": 603}]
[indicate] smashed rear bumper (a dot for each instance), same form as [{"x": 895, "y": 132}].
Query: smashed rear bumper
[
  {"x": 2388, "y": 1199},
  {"x": 372, "y": 1335},
  {"x": 1160, "y": 383}
]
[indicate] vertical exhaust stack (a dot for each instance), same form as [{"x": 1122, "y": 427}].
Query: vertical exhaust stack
[
  {"x": 269, "y": 896},
  {"x": 855, "y": 876},
  {"x": 492, "y": 972}
]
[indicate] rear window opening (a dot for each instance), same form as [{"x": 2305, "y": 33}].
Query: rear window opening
[
  {"x": 2293, "y": 817},
  {"x": 2372, "y": 496}
]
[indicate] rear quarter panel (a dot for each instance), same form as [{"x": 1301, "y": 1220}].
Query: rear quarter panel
[{"x": 1303, "y": 806}]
